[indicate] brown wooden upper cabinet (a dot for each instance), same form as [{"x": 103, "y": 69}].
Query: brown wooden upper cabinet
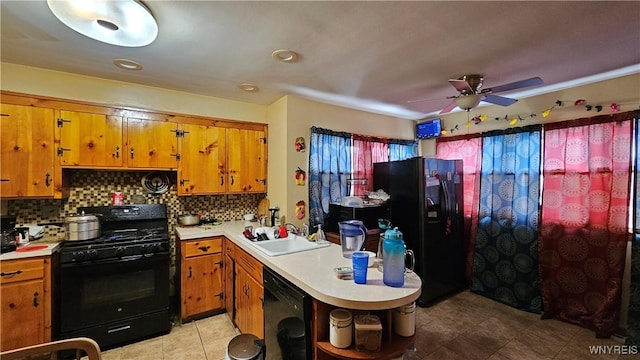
[
  {"x": 246, "y": 160},
  {"x": 222, "y": 160},
  {"x": 202, "y": 160},
  {"x": 28, "y": 151},
  {"x": 152, "y": 144},
  {"x": 90, "y": 140}
]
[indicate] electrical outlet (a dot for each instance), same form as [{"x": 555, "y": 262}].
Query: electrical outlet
[{"x": 49, "y": 211}]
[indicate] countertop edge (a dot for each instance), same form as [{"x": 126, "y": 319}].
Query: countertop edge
[{"x": 52, "y": 247}]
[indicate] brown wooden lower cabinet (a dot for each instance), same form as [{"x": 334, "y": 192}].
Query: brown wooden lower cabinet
[
  {"x": 201, "y": 282},
  {"x": 392, "y": 345},
  {"x": 249, "y": 294},
  {"x": 25, "y": 300}
]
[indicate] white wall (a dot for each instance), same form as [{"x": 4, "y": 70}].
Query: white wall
[{"x": 37, "y": 81}]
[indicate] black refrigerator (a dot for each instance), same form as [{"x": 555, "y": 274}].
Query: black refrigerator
[{"x": 426, "y": 205}]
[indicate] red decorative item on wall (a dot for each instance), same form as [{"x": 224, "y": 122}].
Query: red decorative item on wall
[{"x": 300, "y": 209}]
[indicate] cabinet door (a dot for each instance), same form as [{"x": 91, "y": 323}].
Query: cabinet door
[
  {"x": 228, "y": 285},
  {"x": 27, "y": 151},
  {"x": 151, "y": 144},
  {"x": 93, "y": 140},
  {"x": 202, "y": 160},
  {"x": 22, "y": 314},
  {"x": 201, "y": 288},
  {"x": 246, "y": 160},
  {"x": 255, "y": 302}
]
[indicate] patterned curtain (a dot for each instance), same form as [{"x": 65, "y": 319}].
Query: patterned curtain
[
  {"x": 329, "y": 168},
  {"x": 402, "y": 150},
  {"x": 584, "y": 223},
  {"x": 367, "y": 151},
  {"x": 633, "y": 322},
  {"x": 470, "y": 152},
  {"x": 506, "y": 251}
]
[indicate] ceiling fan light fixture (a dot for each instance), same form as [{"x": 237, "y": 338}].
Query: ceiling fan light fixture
[
  {"x": 468, "y": 102},
  {"x": 125, "y": 23}
]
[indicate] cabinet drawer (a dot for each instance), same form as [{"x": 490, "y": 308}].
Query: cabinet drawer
[
  {"x": 252, "y": 266},
  {"x": 201, "y": 247},
  {"x": 20, "y": 270}
]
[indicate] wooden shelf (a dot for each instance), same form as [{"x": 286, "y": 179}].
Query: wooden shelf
[
  {"x": 392, "y": 345},
  {"x": 388, "y": 349}
]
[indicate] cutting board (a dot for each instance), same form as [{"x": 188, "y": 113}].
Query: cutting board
[{"x": 263, "y": 207}]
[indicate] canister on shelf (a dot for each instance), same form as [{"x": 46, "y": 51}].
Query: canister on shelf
[
  {"x": 368, "y": 333},
  {"x": 340, "y": 328},
  {"x": 404, "y": 320}
]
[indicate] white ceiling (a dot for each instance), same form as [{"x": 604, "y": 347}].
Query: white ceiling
[{"x": 376, "y": 56}]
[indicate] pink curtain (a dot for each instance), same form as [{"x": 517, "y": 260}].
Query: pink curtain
[
  {"x": 470, "y": 151},
  {"x": 583, "y": 226},
  {"x": 366, "y": 152}
]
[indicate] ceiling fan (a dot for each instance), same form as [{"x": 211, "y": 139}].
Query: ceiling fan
[{"x": 471, "y": 93}]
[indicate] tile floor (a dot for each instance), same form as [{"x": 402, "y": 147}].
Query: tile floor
[{"x": 464, "y": 327}]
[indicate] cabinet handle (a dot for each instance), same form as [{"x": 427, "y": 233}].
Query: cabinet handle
[
  {"x": 17, "y": 272},
  {"x": 3, "y": 180},
  {"x": 219, "y": 263},
  {"x": 182, "y": 181},
  {"x": 204, "y": 248},
  {"x": 117, "y": 152},
  {"x": 35, "y": 299},
  {"x": 190, "y": 274},
  {"x": 221, "y": 180},
  {"x": 47, "y": 179},
  {"x": 231, "y": 179},
  {"x": 131, "y": 152}
]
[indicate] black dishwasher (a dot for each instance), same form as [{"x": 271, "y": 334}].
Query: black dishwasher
[{"x": 287, "y": 318}]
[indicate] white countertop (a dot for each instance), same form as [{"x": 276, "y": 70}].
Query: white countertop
[
  {"x": 312, "y": 271},
  {"x": 52, "y": 247}
]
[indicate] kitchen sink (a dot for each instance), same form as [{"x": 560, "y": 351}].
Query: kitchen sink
[{"x": 288, "y": 245}]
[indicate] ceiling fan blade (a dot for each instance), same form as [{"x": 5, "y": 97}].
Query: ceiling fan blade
[
  {"x": 499, "y": 100},
  {"x": 448, "y": 108},
  {"x": 461, "y": 85},
  {"x": 516, "y": 85}
]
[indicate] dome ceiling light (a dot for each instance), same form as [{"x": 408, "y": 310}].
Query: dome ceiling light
[
  {"x": 468, "y": 102},
  {"x": 118, "y": 22}
]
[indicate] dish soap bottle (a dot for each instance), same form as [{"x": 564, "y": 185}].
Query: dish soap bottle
[{"x": 321, "y": 238}]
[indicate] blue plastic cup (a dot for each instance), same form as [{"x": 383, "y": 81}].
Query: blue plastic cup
[{"x": 360, "y": 261}]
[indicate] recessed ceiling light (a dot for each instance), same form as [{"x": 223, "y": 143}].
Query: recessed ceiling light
[
  {"x": 127, "y": 64},
  {"x": 124, "y": 23},
  {"x": 287, "y": 56},
  {"x": 248, "y": 87}
]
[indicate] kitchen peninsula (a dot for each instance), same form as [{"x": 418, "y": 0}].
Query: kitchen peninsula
[{"x": 312, "y": 271}]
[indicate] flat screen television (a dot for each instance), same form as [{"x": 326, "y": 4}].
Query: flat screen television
[{"x": 428, "y": 129}]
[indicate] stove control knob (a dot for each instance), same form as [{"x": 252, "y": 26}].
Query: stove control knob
[
  {"x": 78, "y": 255},
  {"x": 92, "y": 254},
  {"x": 119, "y": 251}
]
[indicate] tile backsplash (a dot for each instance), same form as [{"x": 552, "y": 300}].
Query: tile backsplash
[{"x": 94, "y": 188}]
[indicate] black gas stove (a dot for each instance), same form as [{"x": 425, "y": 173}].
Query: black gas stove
[
  {"x": 129, "y": 230},
  {"x": 115, "y": 288}
]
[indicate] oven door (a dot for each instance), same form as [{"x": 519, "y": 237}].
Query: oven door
[{"x": 100, "y": 292}]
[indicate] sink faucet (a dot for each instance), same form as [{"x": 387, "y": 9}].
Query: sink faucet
[{"x": 292, "y": 228}]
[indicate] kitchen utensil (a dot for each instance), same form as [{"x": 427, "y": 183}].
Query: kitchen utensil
[
  {"x": 82, "y": 227},
  {"x": 352, "y": 236},
  {"x": 188, "y": 220},
  {"x": 31, "y": 248},
  {"x": 263, "y": 208},
  {"x": 395, "y": 252}
]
